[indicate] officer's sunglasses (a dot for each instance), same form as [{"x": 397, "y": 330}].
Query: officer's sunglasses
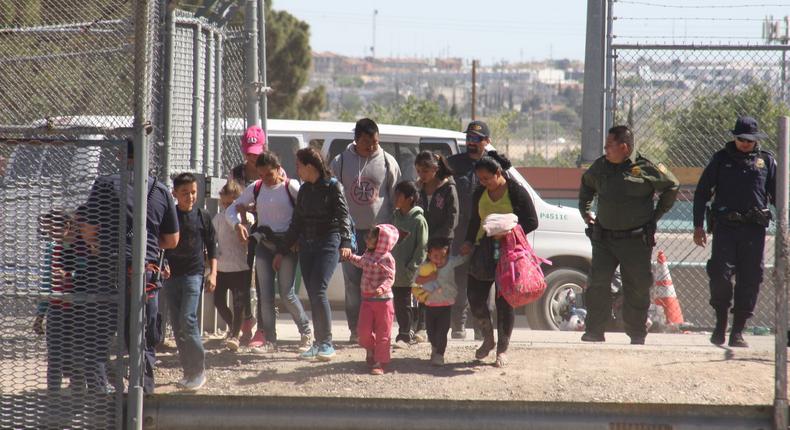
[
  {"x": 473, "y": 138},
  {"x": 744, "y": 140}
]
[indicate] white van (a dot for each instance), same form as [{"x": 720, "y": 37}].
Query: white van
[{"x": 559, "y": 238}]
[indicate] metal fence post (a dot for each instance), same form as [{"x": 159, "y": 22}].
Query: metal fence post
[
  {"x": 781, "y": 272},
  {"x": 218, "y": 104},
  {"x": 594, "y": 66},
  {"x": 251, "y": 63},
  {"x": 609, "y": 55},
  {"x": 208, "y": 97},
  {"x": 142, "y": 107},
  {"x": 262, "y": 65},
  {"x": 197, "y": 90},
  {"x": 168, "y": 101}
]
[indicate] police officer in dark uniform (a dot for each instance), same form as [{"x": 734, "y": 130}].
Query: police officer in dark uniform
[
  {"x": 623, "y": 233},
  {"x": 99, "y": 225},
  {"x": 741, "y": 178}
]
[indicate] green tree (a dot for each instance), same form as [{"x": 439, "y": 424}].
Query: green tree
[
  {"x": 288, "y": 63},
  {"x": 699, "y": 130},
  {"x": 414, "y": 111}
]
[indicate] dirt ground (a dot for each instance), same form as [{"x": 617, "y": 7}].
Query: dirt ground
[{"x": 543, "y": 366}]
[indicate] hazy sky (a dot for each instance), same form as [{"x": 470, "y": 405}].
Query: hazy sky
[{"x": 491, "y": 30}]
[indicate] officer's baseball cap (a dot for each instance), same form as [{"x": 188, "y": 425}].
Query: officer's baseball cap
[
  {"x": 479, "y": 128},
  {"x": 746, "y": 128}
]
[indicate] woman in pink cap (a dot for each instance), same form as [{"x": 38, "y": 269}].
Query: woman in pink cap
[{"x": 253, "y": 143}]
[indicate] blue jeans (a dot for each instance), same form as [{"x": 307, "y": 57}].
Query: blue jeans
[
  {"x": 352, "y": 275},
  {"x": 183, "y": 297},
  {"x": 285, "y": 283},
  {"x": 319, "y": 259}
]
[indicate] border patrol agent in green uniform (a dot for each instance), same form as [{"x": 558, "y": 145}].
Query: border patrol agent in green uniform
[{"x": 623, "y": 233}]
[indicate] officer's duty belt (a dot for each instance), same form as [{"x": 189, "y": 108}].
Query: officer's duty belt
[{"x": 622, "y": 234}]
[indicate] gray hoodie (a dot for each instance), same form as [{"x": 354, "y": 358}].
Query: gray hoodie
[{"x": 369, "y": 185}]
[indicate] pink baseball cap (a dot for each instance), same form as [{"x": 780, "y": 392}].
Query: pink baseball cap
[{"x": 253, "y": 141}]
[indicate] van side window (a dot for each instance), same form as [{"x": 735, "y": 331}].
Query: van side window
[
  {"x": 336, "y": 147},
  {"x": 285, "y": 147},
  {"x": 442, "y": 148}
]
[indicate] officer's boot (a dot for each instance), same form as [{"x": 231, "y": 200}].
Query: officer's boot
[
  {"x": 717, "y": 338},
  {"x": 736, "y": 334},
  {"x": 487, "y": 330}
]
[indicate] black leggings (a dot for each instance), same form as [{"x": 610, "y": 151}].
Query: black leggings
[
  {"x": 403, "y": 312},
  {"x": 238, "y": 283},
  {"x": 477, "y": 292},
  {"x": 437, "y": 322}
]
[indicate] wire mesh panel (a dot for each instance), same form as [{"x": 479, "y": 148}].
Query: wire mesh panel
[
  {"x": 194, "y": 94},
  {"x": 62, "y": 284},
  {"x": 681, "y": 102},
  {"x": 233, "y": 98}
]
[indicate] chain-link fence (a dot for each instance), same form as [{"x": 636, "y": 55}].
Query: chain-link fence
[
  {"x": 681, "y": 102},
  {"x": 233, "y": 99},
  {"x": 69, "y": 90},
  {"x": 61, "y": 290}
]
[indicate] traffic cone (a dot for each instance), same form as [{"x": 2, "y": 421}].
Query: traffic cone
[{"x": 664, "y": 292}]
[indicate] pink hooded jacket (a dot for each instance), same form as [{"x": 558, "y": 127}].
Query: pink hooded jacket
[{"x": 378, "y": 266}]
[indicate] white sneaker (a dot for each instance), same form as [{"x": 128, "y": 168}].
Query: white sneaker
[
  {"x": 306, "y": 342},
  {"x": 437, "y": 359},
  {"x": 401, "y": 344},
  {"x": 421, "y": 336},
  {"x": 195, "y": 383}
]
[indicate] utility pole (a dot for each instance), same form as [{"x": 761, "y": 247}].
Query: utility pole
[
  {"x": 373, "y": 46},
  {"x": 593, "y": 104},
  {"x": 474, "y": 88}
]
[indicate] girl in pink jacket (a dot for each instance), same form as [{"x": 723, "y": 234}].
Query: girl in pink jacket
[{"x": 376, "y": 312}]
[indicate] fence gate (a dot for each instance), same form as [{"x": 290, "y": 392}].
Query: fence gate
[
  {"x": 61, "y": 289},
  {"x": 681, "y": 101}
]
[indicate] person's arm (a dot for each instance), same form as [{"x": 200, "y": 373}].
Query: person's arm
[
  {"x": 235, "y": 217},
  {"x": 587, "y": 193},
  {"x": 704, "y": 192},
  {"x": 421, "y": 243},
  {"x": 393, "y": 177},
  {"x": 527, "y": 216},
  {"x": 702, "y": 195},
  {"x": 770, "y": 181},
  {"x": 356, "y": 260},
  {"x": 422, "y": 280},
  {"x": 450, "y": 218},
  {"x": 342, "y": 214},
  {"x": 296, "y": 225},
  {"x": 474, "y": 218},
  {"x": 168, "y": 228},
  {"x": 667, "y": 187}
]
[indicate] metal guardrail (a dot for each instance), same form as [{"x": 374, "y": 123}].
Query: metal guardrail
[{"x": 175, "y": 412}]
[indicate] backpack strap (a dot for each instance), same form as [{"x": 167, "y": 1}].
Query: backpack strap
[
  {"x": 256, "y": 191},
  {"x": 287, "y": 187},
  {"x": 205, "y": 221}
]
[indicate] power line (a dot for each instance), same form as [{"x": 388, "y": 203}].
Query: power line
[
  {"x": 721, "y": 6},
  {"x": 629, "y": 18},
  {"x": 689, "y": 37}
]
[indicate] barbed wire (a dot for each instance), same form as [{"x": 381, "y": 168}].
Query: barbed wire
[{"x": 720, "y": 6}]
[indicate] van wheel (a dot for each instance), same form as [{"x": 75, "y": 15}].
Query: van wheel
[{"x": 544, "y": 313}]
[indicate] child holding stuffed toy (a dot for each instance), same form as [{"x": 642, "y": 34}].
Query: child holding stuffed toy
[{"x": 437, "y": 290}]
